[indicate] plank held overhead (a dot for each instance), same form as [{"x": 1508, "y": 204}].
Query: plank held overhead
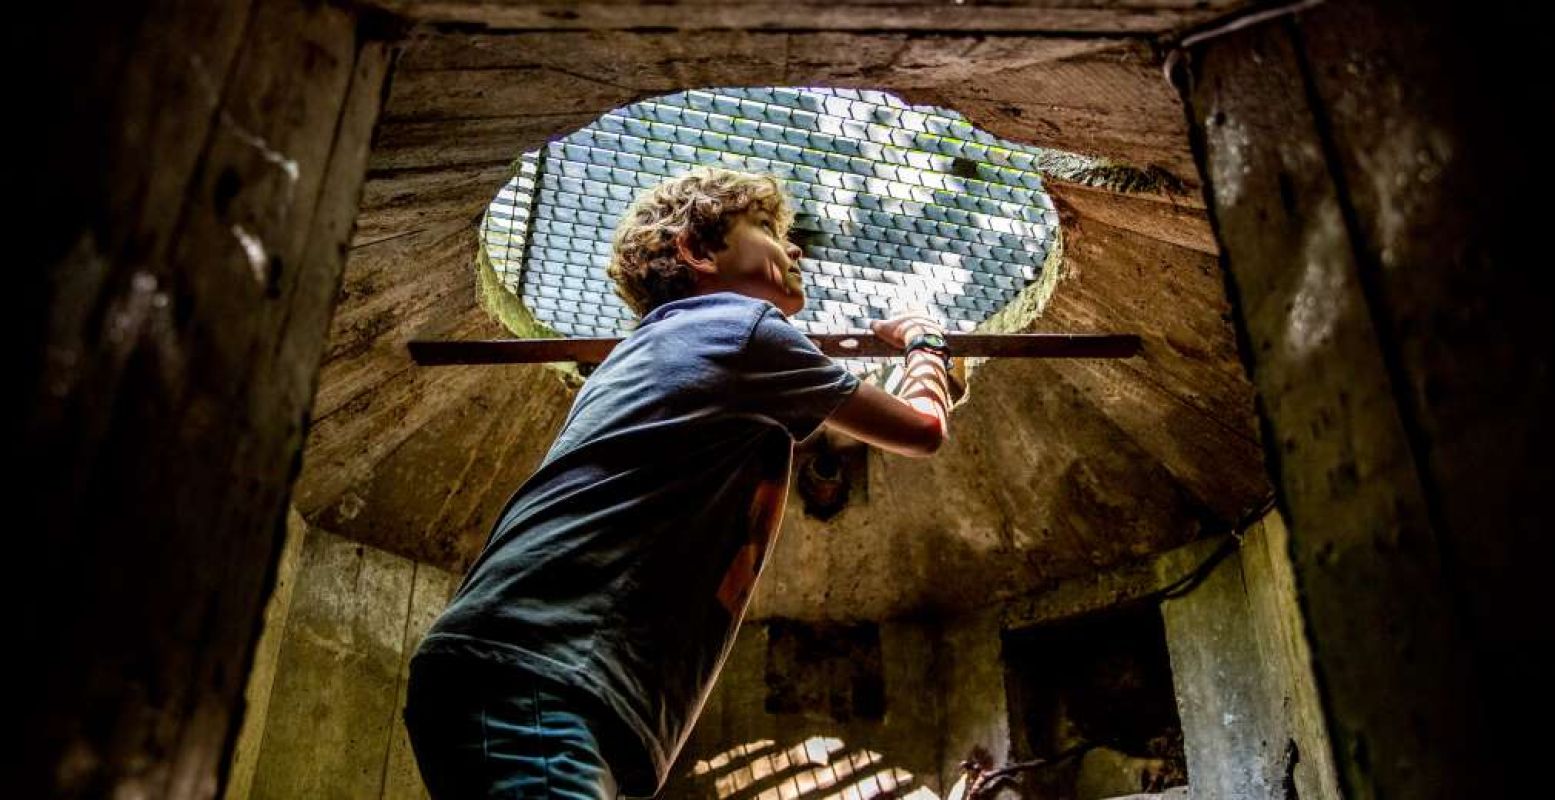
[{"x": 429, "y": 353}]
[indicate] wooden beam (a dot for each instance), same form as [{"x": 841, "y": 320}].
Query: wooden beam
[{"x": 429, "y": 353}]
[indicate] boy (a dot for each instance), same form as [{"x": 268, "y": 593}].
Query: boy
[{"x": 580, "y": 648}]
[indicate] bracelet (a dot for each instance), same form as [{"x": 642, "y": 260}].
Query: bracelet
[{"x": 933, "y": 343}]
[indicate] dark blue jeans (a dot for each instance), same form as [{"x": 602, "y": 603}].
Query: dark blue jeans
[{"x": 480, "y": 731}]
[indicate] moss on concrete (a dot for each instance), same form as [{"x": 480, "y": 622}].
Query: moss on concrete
[{"x": 506, "y": 308}]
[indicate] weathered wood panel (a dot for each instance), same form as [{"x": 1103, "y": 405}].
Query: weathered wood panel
[
  {"x": 1440, "y": 172},
  {"x": 813, "y": 14},
  {"x": 468, "y": 143},
  {"x": 1369, "y": 206},
  {"x": 668, "y": 61},
  {"x": 1286, "y": 655},
  {"x": 1232, "y": 745},
  {"x": 1177, "y": 219},
  {"x": 395, "y": 203},
  {"x": 1185, "y": 398},
  {"x": 1110, "y": 102},
  {"x": 330, "y": 724},
  {"x": 476, "y": 93},
  {"x": 166, "y": 416}
]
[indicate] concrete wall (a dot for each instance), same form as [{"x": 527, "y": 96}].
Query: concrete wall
[
  {"x": 1241, "y": 667},
  {"x": 329, "y": 684},
  {"x": 944, "y": 694}
]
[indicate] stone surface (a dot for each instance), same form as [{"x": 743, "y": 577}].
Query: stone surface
[{"x": 944, "y": 693}]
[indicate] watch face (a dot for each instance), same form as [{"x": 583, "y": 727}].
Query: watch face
[{"x": 933, "y": 340}]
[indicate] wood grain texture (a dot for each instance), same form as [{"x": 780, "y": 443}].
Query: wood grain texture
[{"x": 168, "y": 420}]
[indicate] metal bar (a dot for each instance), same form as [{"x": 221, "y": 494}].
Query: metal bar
[{"x": 840, "y": 345}]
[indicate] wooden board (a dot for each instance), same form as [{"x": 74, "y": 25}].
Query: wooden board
[
  {"x": 1388, "y": 636},
  {"x": 446, "y": 352},
  {"x": 810, "y": 15},
  {"x": 167, "y": 420}
]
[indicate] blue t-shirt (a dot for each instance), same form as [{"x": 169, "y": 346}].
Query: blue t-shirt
[{"x": 623, "y": 566}]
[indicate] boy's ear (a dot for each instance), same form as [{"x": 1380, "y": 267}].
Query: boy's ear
[{"x": 689, "y": 254}]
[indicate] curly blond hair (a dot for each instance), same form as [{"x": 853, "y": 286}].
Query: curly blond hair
[{"x": 644, "y": 262}]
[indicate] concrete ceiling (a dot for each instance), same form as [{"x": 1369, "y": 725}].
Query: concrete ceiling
[{"x": 1054, "y": 469}]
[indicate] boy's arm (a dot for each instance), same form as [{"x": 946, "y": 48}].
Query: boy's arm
[{"x": 916, "y": 419}]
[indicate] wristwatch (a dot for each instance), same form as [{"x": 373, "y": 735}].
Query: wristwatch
[{"x": 933, "y": 343}]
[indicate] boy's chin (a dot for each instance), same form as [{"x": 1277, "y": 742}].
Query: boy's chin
[{"x": 789, "y": 304}]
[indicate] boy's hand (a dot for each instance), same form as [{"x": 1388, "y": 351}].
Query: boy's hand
[{"x": 900, "y": 329}]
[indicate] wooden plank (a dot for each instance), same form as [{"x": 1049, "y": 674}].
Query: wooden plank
[
  {"x": 1111, "y": 102},
  {"x": 476, "y": 93},
  {"x": 669, "y": 60},
  {"x": 399, "y": 202},
  {"x": 237, "y": 258},
  {"x": 1173, "y": 297},
  {"x": 1215, "y": 460},
  {"x": 300, "y": 349},
  {"x": 838, "y": 345},
  {"x": 467, "y": 142},
  {"x": 1177, "y": 219},
  {"x": 426, "y": 468},
  {"x": 1152, "y": 17},
  {"x": 1280, "y": 630},
  {"x": 661, "y": 61},
  {"x": 1440, "y": 177},
  {"x": 1385, "y": 638},
  {"x": 1231, "y": 736},
  {"x": 165, "y": 448}
]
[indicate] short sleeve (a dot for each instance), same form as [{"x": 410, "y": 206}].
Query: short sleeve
[{"x": 787, "y": 378}]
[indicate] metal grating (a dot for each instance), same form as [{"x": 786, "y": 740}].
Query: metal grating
[{"x": 894, "y": 203}]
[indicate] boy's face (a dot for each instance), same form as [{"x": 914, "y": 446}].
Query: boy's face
[{"x": 758, "y": 261}]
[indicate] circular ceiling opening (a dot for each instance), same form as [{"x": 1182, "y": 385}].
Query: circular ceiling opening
[{"x": 895, "y": 205}]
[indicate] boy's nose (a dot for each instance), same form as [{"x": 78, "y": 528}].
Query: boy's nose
[{"x": 794, "y": 253}]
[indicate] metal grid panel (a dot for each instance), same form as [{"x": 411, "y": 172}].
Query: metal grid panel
[{"x": 896, "y": 204}]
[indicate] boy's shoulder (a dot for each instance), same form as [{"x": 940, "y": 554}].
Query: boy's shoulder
[
  {"x": 719, "y": 313},
  {"x": 714, "y": 303}
]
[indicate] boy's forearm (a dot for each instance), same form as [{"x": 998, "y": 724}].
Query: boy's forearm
[{"x": 926, "y": 386}]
